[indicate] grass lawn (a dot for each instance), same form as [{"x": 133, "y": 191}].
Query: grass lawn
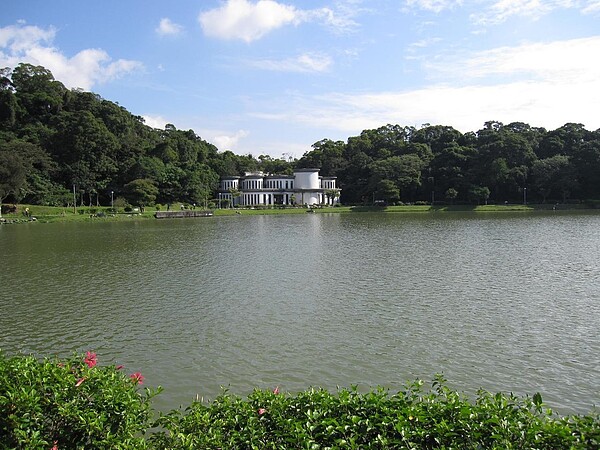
[{"x": 47, "y": 214}]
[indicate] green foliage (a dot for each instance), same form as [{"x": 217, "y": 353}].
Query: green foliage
[
  {"x": 63, "y": 138},
  {"x": 141, "y": 192},
  {"x": 75, "y": 403},
  {"x": 12, "y": 174},
  {"x": 451, "y": 194},
  {"x": 71, "y": 403},
  {"x": 410, "y": 419}
]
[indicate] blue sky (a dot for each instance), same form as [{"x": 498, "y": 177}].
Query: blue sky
[{"x": 275, "y": 76}]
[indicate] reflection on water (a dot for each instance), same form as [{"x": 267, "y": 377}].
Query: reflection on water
[{"x": 504, "y": 302}]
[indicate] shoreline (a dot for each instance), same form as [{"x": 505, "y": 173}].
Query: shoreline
[{"x": 49, "y": 214}]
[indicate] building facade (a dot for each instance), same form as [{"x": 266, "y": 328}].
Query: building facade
[{"x": 305, "y": 187}]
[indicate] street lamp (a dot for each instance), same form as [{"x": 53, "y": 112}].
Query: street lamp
[
  {"x": 112, "y": 201},
  {"x": 524, "y": 196}
]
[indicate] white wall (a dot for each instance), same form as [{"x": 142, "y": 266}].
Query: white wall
[{"x": 307, "y": 180}]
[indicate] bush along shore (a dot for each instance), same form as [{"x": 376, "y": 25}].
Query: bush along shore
[{"x": 76, "y": 403}]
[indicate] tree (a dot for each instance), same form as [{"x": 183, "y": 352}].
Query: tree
[
  {"x": 586, "y": 166},
  {"x": 451, "y": 194},
  {"x": 504, "y": 159},
  {"x": 235, "y": 193},
  {"x": 142, "y": 192},
  {"x": 387, "y": 190},
  {"x": 269, "y": 164},
  {"x": 24, "y": 157},
  {"x": 437, "y": 137},
  {"x": 479, "y": 193},
  {"x": 85, "y": 151},
  {"x": 332, "y": 195},
  {"x": 326, "y": 155},
  {"x": 554, "y": 175},
  {"x": 38, "y": 94},
  {"x": 404, "y": 171},
  {"x": 12, "y": 174},
  {"x": 8, "y": 100},
  {"x": 170, "y": 185},
  {"x": 451, "y": 167},
  {"x": 198, "y": 184}
]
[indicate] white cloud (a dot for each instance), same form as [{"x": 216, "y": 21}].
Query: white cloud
[
  {"x": 248, "y": 21},
  {"x": 167, "y": 27},
  {"x": 541, "y": 84},
  {"x": 340, "y": 19},
  {"x": 433, "y": 5},
  {"x": 592, "y": 7},
  {"x": 569, "y": 61},
  {"x": 21, "y": 37},
  {"x": 548, "y": 104},
  {"x": 414, "y": 49},
  {"x": 225, "y": 141},
  {"x": 240, "y": 19},
  {"x": 30, "y": 44},
  {"x": 158, "y": 122},
  {"x": 305, "y": 63},
  {"x": 501, "y": 10}
]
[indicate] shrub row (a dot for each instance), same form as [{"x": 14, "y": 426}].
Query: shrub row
[
  {"x": 75, "y": 403},
  {"x": 72, "y": 403}
]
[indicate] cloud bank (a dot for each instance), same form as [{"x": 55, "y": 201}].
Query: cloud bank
[
  {"x": 30, "y": 44},
  {"x": 543, "y": 84}
]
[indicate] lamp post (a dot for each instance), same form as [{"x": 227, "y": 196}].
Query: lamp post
[
  {"x": 112, "y": 201},
  {"x": 524, "y": 196}
]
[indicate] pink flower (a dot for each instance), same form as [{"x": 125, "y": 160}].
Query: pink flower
[
  {"x": 276, "y": 390},
  {"x": 261, "y": 411},
  {"x": 137, "y": 378},
  {"x": 80, "y": 382},
  {"x": 119, "y": 367},
  {"x": 90, "y": 359},
  {"x": 55, "y": 446}
]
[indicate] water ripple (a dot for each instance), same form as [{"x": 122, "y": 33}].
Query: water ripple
[{"x": 501, "y": 302}]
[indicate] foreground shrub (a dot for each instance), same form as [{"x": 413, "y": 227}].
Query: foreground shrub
[
  {"x": 412, "y": 419},
  {"x": 71, "y": 403},
  {"x": 76, "y": 404}
]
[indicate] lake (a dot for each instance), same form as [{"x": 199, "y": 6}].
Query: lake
[{"x": 502, "y": 301}]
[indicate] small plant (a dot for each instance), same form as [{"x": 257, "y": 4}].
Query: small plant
[{"x": 73, "y": 403}]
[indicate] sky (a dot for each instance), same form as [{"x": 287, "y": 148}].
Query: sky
[{"x": 273, "y": 77}]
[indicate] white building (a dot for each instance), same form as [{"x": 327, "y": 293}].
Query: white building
[{"x": 305, "y": 187}]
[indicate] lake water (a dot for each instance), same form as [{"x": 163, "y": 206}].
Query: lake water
[{"x": 505, "y": 302}]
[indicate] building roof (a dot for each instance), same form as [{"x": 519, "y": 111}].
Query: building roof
[{"x": 306, "y": 170}]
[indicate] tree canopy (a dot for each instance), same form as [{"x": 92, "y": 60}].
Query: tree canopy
[{"x": 54, "y": 140}]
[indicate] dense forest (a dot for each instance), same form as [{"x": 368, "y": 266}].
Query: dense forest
[{"x": 57, "y": 145}]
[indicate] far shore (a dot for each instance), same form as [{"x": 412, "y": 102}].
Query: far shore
[{"x": 45, "y": 214}]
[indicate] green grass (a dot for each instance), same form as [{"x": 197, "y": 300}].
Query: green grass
[{"x": 46, "y": 214}]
